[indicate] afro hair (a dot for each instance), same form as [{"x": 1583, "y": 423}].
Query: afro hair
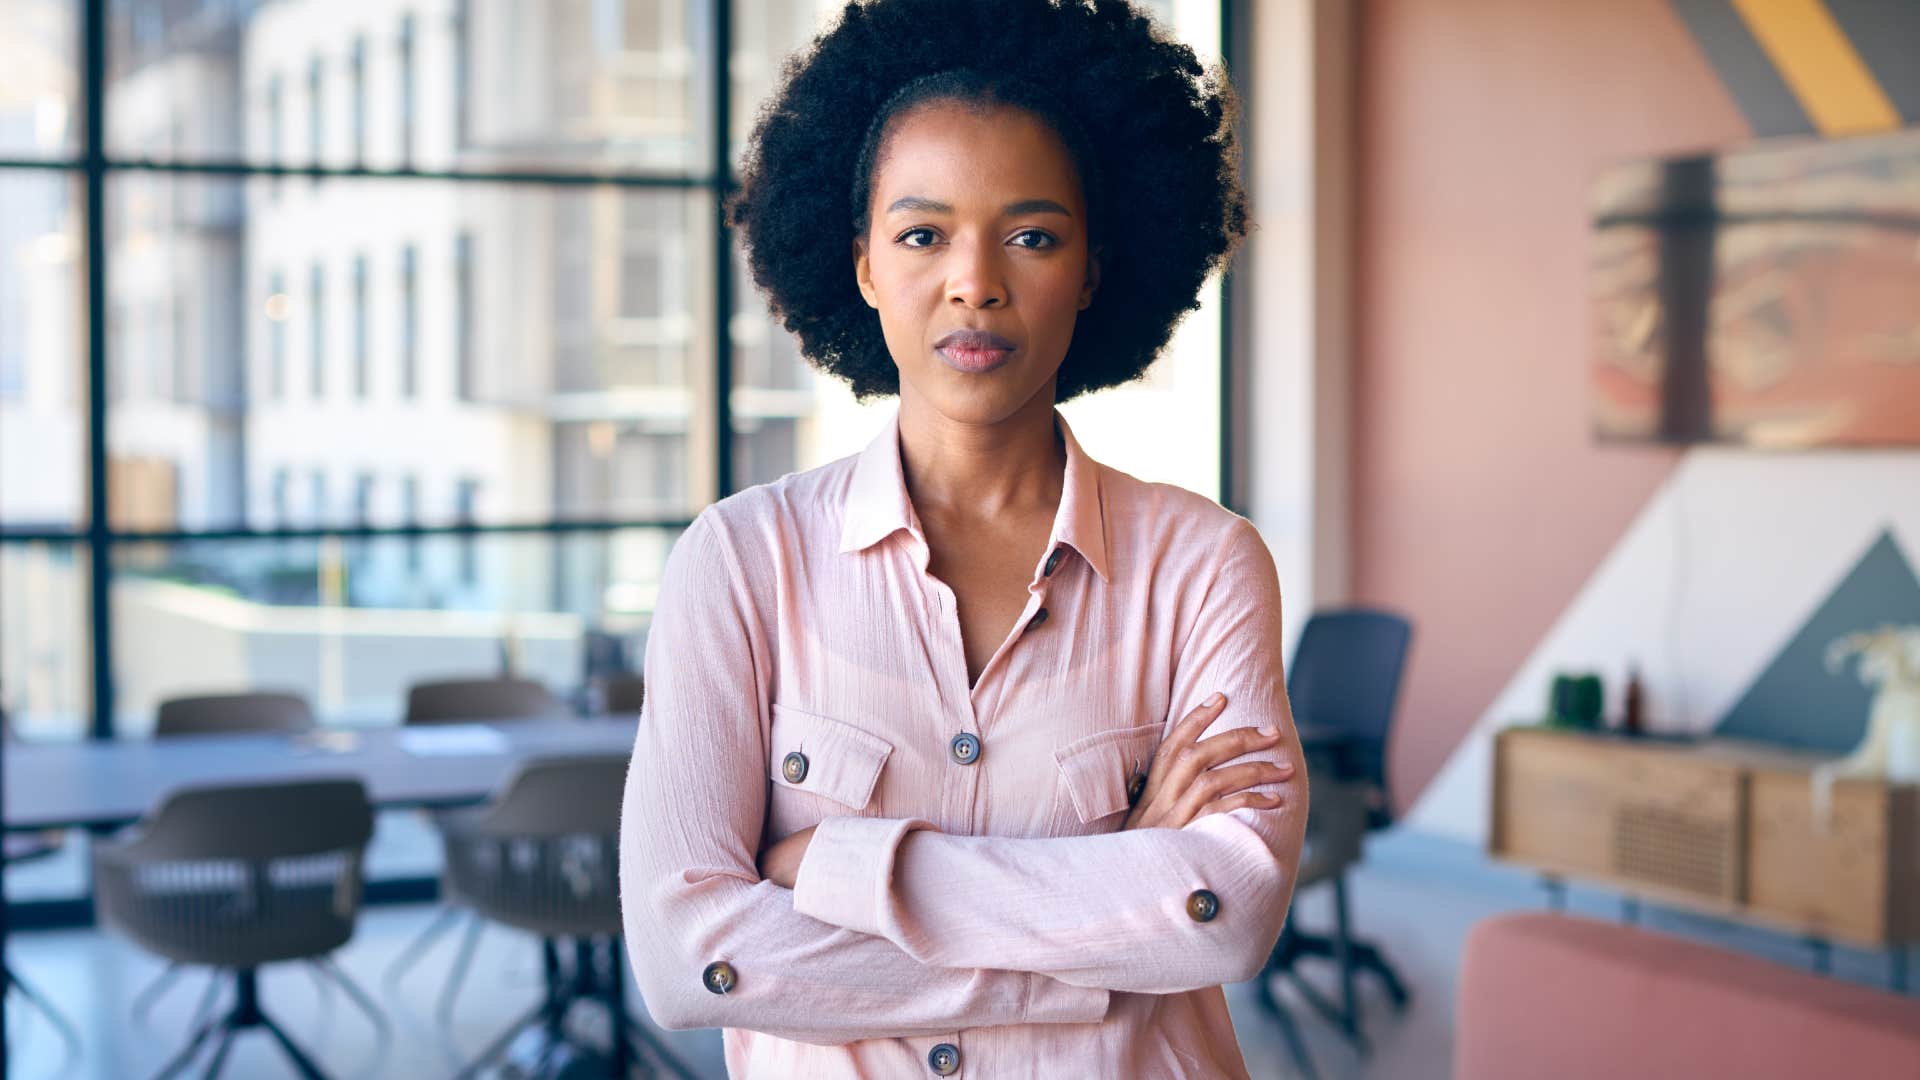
[{"x": 1148, "y": 128}]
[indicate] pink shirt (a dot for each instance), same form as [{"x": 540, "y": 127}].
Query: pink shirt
[{"x": 966, "y": 901}]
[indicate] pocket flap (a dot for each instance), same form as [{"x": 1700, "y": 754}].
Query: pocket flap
[
  {"x": 1098, "y": 767},
  {"x": 842, "y": 762}
]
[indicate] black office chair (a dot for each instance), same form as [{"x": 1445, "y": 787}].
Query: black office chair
[{"x": 1345, "y": 678}]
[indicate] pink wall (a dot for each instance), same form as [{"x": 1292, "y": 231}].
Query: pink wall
[{"x": 1481, "y": 501}]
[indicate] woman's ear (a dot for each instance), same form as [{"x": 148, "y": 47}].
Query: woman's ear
[
  {"x": 1092, "y": 283},
  {"x": 861, "y": 271}
]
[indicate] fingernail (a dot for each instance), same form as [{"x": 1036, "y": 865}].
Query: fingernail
[
  {"x": 1216, "y": 699},
  {"x": 1269, "y": 730}
]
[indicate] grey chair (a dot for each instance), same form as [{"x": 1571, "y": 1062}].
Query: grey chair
[
  {"x": 544, "y": 857},
  {"x": 455, "y": 701},
  {"x": 622, "y": 695},
  {"x": 217, "y": 714},
  {"x": 236, "y": 877},
  {"x": 1335, "y": 842}
]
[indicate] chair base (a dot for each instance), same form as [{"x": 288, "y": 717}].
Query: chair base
[
  {"x": 1290, "y": 1031},
  {"x": 589, "y": 979},
  {"x": 245, "y": 1014},
  {"x": 1364, "y": 956},
  {"x": 69, "y": 1038}
]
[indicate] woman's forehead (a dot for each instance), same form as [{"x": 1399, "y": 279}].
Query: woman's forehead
[{"x": 963, "y": 157}]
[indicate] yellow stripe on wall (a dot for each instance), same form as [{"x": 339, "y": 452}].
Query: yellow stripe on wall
[{"x": 1820, "y": 65}]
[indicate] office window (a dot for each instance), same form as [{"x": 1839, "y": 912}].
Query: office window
[
  {"x": 363, "y": 499},
  {"x": 282, "y": 497},
  {"x": 357, "y": 104},
  {"x": 40, "y": 106},
  {"x": 410, "y": 516},
  {"x": 317, "y": 330},
  {"x": 317, "y": 497},
  {"x": 360, "y": 326},
  {"x": 409, "y": 321},
  {"x": 156, "y": 333},
  {"x": 182, "y": 367},
  {"x": 276, "y": 128},
  {"x": 466, "y": 500},
  {"x": 465, "y": 378},
  {"x": 462, "y": 73},
  {"x": 404, "y": 55},
  {"x": 275, "y": 312},
  {"x": 316, "y": 113}
]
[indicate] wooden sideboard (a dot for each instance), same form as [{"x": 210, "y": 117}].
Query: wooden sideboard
[{"x": 1724, "y": 826}]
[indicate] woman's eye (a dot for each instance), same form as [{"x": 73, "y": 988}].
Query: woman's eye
[
  {"x": 905, "y": 237},
  {"x": 1041, "y": 239}
]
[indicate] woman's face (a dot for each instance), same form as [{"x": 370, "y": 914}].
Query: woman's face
[{"x": 977, "y": 224}]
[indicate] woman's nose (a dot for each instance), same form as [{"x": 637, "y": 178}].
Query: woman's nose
[{"x": 977, "y": 280}]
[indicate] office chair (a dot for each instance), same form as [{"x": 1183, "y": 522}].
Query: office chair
[
  {"x": 237, "y": 713},
  {"x": 544, "y": 857},
  {"x": 235, "y": 877},
  {"x": 220, "y": 714},
  {"x": 1345, "y": 678},
  {"x": 455, "y": 701},
  {"x": 1336, "y": 836}
]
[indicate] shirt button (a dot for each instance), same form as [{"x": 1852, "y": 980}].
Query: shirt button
[
  {"x": 944, "y": 1059},
  {"x": 1053, "y": 560},
  {"x": 719, "y": 976},
  {"x": 965, "y": 748},
  {"x": 1038, "y": 618},
  {"x": 1134, "y": 787},
  {"x": 1202, "y": 905},
  {"x": 794, "y": 767}
]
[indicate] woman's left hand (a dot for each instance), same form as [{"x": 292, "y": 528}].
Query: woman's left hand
[{"x": 780, "y": 863}]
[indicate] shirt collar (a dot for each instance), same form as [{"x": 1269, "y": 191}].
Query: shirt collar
[{"x": 877, "y": 504}]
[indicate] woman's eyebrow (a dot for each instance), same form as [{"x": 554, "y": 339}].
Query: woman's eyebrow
[{"x": 930, "y": 206}]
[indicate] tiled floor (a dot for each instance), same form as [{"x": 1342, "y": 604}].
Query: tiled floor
[{"x": 1416, "y": 896}]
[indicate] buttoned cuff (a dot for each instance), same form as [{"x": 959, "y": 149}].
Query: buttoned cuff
[
  {"x": 1050, "y": 1001},
  {"x": 846, "y": 876}
]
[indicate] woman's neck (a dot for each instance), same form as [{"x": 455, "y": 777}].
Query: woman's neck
[{"x": 981, "y": 470}]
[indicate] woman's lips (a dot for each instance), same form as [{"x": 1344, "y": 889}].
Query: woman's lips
[{"x": 973, "y": 361}]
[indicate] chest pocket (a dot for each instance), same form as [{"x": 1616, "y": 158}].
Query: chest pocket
[
  {"x": 1097, "y": 772},
  {"x": 818, "y": 755}
]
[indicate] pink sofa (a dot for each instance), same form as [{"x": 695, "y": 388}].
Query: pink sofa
[{"x": 1565, "y": 997}]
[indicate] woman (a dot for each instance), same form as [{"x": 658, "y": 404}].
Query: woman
[{"x": 966, "y": 754}]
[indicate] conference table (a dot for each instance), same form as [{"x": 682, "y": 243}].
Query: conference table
[{"x": 111, "y": 783}]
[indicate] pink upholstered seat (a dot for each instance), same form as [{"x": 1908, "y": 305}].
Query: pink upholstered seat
[{"x": 1553, "y": 995}]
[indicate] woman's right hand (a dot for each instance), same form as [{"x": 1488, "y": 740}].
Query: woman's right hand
[{"x": 1189, "y": 777}]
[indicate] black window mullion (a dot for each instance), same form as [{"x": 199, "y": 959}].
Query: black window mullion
[
  {"x": 93, "y": 66},
  {"x": 722, "y": 177}
]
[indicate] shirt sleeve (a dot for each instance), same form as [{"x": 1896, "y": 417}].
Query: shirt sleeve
[
  {"x": 697, "y": 916},
  {"x": 1152, "y": 910}
]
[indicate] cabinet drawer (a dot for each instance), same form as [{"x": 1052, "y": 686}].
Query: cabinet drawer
[
  {"x": 1831, "y": 879},
  {"x": 1635, "y": 815}
]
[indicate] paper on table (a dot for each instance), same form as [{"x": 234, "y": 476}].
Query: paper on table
[{"x": 452, "y": 740}]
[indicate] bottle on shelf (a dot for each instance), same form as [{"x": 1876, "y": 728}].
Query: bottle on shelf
[{"x": 1633, "y": 719}]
